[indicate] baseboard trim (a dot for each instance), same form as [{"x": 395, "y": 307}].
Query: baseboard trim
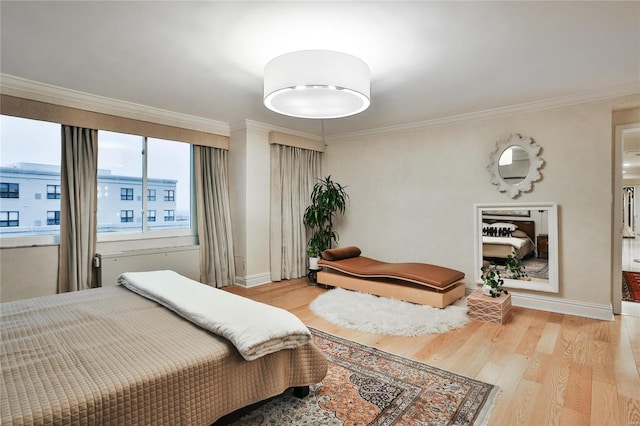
[
  {"x": 254, "y": 280},
  {"x": 564, "y": 306},
  {"x": 560, "y": 306}
]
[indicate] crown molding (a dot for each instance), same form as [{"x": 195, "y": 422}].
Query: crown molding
[
  {"x": 265, "y": 127},
  {"x": 580, "y": 98},
  {"x": 36, "y": 91}
]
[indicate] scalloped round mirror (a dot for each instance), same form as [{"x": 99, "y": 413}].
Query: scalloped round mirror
[{"x": 515, "y": 164}]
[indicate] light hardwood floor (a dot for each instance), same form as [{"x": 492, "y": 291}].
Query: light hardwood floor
[{"x": 551, "y": 368}]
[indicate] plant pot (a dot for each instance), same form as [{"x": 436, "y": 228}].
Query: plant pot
[
  {"x": 313, "y": 263},
  {"x": 486, "y": 290}
]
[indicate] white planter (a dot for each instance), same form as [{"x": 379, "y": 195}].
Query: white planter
[
  {"x": 486, "y": 290},
  {"x": 313, "y": 263}
]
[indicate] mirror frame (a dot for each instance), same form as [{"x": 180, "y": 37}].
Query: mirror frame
[
  {"x": 552, "y": 231},
  {"x": 535, "y": 163}
]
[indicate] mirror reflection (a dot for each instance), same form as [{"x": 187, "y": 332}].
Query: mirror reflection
[
  {"x": 514, "y": 164},
  {"x": 522, "y": 241}
]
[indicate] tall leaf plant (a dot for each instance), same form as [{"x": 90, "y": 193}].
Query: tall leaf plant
[{"x": 328, "y": 199}]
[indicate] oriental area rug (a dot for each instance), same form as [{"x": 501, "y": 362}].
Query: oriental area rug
[
  {"x": 631, "y": 286},
  {"x": 366, "y": 386},
  {"x": 536, "y": 267}
]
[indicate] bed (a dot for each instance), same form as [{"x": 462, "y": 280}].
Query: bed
[
  {"x": 110, "y": 356},
  {"x": 501, "y": 238},
  {"x": 420, "y": 283}
]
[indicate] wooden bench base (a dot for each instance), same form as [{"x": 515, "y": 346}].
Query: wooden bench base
[{"x": 395, "y": 289}]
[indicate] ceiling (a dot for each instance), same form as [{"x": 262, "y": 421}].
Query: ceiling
[{"x": 428, "y": 60}]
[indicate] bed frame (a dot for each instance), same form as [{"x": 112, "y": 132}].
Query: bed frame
[{"x": 393, "y": 288}]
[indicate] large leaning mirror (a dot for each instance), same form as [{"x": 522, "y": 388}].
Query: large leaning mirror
[
  {"x": 526, "y": 231},
  {"x": 515, "y": 164}
]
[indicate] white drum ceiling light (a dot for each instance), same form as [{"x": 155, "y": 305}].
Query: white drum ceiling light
[{"x": 317, "y": 84}]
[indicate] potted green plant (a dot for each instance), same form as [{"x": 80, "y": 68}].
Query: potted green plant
[
  {"x": 492, "y": 281},
  {"x": 313, "y": 251},
  {"x": 328, "y": 198},
  {"x": 515, "y": 268}
]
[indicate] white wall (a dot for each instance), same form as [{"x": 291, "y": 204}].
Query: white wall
[
  {"x": 249, "y": 183},
  {"x": 412, "y": 193}
]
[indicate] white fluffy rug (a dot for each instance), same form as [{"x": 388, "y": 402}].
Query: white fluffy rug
[{"x": 381, "y": 315}]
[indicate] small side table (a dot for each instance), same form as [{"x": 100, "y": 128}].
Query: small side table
[
  {"x": 543, "y": 245},
  {"x": 489, "y": 309},
  {"x": 312, "y": 276}
]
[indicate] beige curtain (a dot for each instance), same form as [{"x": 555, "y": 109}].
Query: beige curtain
[
  {"x": 294, "y": 171},
  {"x": 78, "y": 204},
  {"x": 217, "y": 265}
]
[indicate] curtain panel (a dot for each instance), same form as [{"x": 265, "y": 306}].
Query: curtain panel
[
  {"x": 217, "y": 264},
  {"x": 294, "y": 171},
  {"x": 78, "y": 206}
]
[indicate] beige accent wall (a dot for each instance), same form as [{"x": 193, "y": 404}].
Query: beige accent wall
[{"x": 412, "y": 193}]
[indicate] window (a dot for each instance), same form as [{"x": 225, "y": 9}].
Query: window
[
  {"x": 126, "y": 194},
  {"x": 53, "y": 218},
  {"x": 164, "y": 176},
  {"x": 29, "y": 163},
  {"x": 9, "y": 190},
  {"x": 126, "y": 216},
  {"x": 53, "y": 192},
  {"x": 9, "y": 219}
]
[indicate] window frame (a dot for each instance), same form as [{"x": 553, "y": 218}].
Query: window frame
[
  {"x": 156, "y": 234},
  {"x": 56, "y": 217},
  {"x": 127, "y": 193},
  {"x": 169, "y": 195},
  {"x": 191, "y": 233},
  {"x": 8, "y": 191},
  {"x": 9, "y": 220},
  {"x": 56, "y": 192},
  {"x": 128, "y": 215},
  {"x": 169, "y": 215}
]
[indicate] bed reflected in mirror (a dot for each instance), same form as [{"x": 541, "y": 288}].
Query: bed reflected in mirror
[{"x": 522, "y": 239}]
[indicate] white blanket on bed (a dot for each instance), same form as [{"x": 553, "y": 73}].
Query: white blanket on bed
[{"x": 255, "y": 329}]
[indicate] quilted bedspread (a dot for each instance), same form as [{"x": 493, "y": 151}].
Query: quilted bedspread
[{"x": 109, "y": 356}]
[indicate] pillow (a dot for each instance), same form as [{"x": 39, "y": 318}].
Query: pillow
[
  {"x": 497, "y": 232},
  {"x": 510, "y": 226},
  {"x": 341, "y": 253},
  {"x": 519, "y": 234}
]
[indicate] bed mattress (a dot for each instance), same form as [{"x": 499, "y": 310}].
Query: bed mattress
[{"x": 108, "y": 356}]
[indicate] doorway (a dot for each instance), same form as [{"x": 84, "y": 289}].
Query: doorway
[{"x": 626, "y": 236}]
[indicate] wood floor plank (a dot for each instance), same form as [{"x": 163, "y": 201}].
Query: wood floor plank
[
  {"x": 549, "y": 406},
  {"x": 629, "y": 410},
  {"x": 520, "y": 409},
  {"x": 605, "y": 408},
  {"x": 508, "y": 382},
  {"x": 548, "y": 338},
  {"x": 627, "y": 376},
  {"x": 551, "y": 368},
  {"x": 578, "y": 394},
  {"x": 531, "y": 337}
]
